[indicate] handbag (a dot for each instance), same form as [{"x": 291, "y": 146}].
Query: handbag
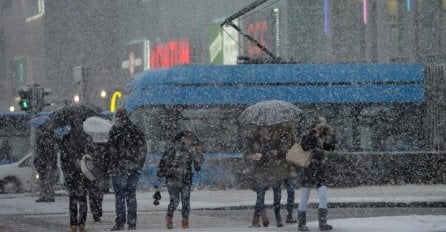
[{"x": 298, "y": 156}]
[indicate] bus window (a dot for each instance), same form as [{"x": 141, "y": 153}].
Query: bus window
[{"x": 216, "y": 127}]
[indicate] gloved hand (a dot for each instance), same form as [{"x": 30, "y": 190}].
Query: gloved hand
[{"x": 157, "y": 197}]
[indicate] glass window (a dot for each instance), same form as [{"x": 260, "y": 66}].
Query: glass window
[
  {"x": 34, "y": 9},
  {"x": 216, "y": 127}
]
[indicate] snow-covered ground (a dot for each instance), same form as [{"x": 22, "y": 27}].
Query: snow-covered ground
[{"x": 11, "y": 204}]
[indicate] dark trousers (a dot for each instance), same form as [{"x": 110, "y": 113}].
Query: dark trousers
[
  {"x": 177, "y": 192},
  {"x": 47, "y": 182},
  {"x": 95, "y": 197},
  {"x": 125, "y": 193},
  {"x": 77, "y": 198}
]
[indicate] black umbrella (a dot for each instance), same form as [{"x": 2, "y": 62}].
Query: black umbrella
[{"x": 73, "y": 115}]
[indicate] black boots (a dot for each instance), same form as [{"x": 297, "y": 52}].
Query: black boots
[
  {"x": 302, "y": 220},
  {"x": 322, "y": 215},
  {"x": 256, "y": 219}
]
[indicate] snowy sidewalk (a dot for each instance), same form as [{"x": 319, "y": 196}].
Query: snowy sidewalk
[{"x": 390, "y": 195}]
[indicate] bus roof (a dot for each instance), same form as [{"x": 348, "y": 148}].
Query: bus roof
[{"x": 296, "y": 83}]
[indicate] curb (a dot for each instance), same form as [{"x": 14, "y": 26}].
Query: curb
[{"x": 381, "y": 204}]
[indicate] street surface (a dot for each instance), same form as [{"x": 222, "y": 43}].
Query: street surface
[{"x": 202, "y": 220}]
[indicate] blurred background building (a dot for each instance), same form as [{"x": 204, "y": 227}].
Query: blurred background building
[{"x": 44, "y": 41}]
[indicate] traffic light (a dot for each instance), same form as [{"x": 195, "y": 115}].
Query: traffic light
[
  {"x": 32, "y": 98},
  {"x": 25, "y": 94},
  {"x": 40, "y": 94}
]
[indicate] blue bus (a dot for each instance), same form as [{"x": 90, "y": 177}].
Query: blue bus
[{"x": 375, "y": 108}]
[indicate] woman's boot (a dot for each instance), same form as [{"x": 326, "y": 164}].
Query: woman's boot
[
  {"x": 169, "y": 222},
  {"x": 302, "y": 221},
  {"x": 265, "y": 220},
  {"x": 256, "y": 219},
  {"x": 322, "y": 213},
  {"x": 72, "y": 229},
  {"x": 185, "y": 223}
]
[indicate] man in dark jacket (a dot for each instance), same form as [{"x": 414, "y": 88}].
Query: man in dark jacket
[
  {"x": 74, "y": 145},
  {"x": 127, "y": 156},
  {"x": 176, "y": 166},
  {"x": 320, "y": 139},
  {"x": 45, "y": 162}
]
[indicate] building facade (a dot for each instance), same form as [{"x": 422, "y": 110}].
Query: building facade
[{"x": 43, "y": 41}]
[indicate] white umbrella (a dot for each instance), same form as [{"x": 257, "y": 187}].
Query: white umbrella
[
  {"x": 267, "y": 113},
  {"x": 97, "y": 128}
]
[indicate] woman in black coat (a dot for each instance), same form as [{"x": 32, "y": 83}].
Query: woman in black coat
[
  {"x": 320, "y": 139},
  {"x": 73, "y": 146}
]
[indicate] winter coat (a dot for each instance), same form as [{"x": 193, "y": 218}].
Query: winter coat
[
  {"x": 315, "y": 175},
  {"x": 269, "y": 168},
  {"x": 45, "y": 160},
  {"x": 176, "y": 163},
  {"x": 73, "y": 147},
  {"x": 127, "y": 149}
]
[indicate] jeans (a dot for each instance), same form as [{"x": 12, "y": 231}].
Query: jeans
[
  {"x": 124, "y": 186},
  {"x": 291, "y": 195},
  {"x": 175, "y": 190},
  {"x": 260, "y": 201},
  {"x": 322, "y": 193}
]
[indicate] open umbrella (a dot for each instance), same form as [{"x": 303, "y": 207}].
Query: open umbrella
[
  {"x": 73, "y": 115},
  {"x": 267, "y": 113},
  {"x": 97, "y": 128},
  {"x": 38, "y": 121}
]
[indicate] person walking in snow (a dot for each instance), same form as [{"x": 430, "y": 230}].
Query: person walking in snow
[
  {"x": 320, "y": 139},
  {"x": 127, "y": 156},
  {"x": 45, "y": 162},
  {"x": 73, "y": 146},
  {"x": 176, "y": 167},
  {"x": 266, "y": 151}
]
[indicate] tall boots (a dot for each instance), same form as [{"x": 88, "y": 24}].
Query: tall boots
[
  {"x": 169, "y": 221},
  {"x": 185, "y": 223},
  {"x": 75, "y": 228},
  {"x": 322, "y": 215},
  {"x": 265, "y": 220},
  {"x": 72, "y": 229},
  {"x": 256, "y": 219},
  {"x": 302, "y": 221}
]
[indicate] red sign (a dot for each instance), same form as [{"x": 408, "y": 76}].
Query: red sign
[
  {"x": 258, "y": 31},
  {"x": 169, "y": 54}
]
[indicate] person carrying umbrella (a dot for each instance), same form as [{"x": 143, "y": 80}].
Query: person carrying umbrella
[
  {"x": 265, "y": 150},
  {"x": 73, "y": 147},
  {"x": 97, "y": 171}
]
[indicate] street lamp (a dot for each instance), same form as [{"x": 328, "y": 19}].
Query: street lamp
[
  {"x": 103, "y": 94},
  {"x": 76, "y": 98},
  {"x": 11, "y": 109}
]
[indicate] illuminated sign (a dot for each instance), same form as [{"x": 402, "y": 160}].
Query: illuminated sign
[
  {"x": 114, "y": 100},
  {"x": 136, "y": 57},
  {"x": 165, "y": 55},
  {"x": 262, "y": 27}
]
